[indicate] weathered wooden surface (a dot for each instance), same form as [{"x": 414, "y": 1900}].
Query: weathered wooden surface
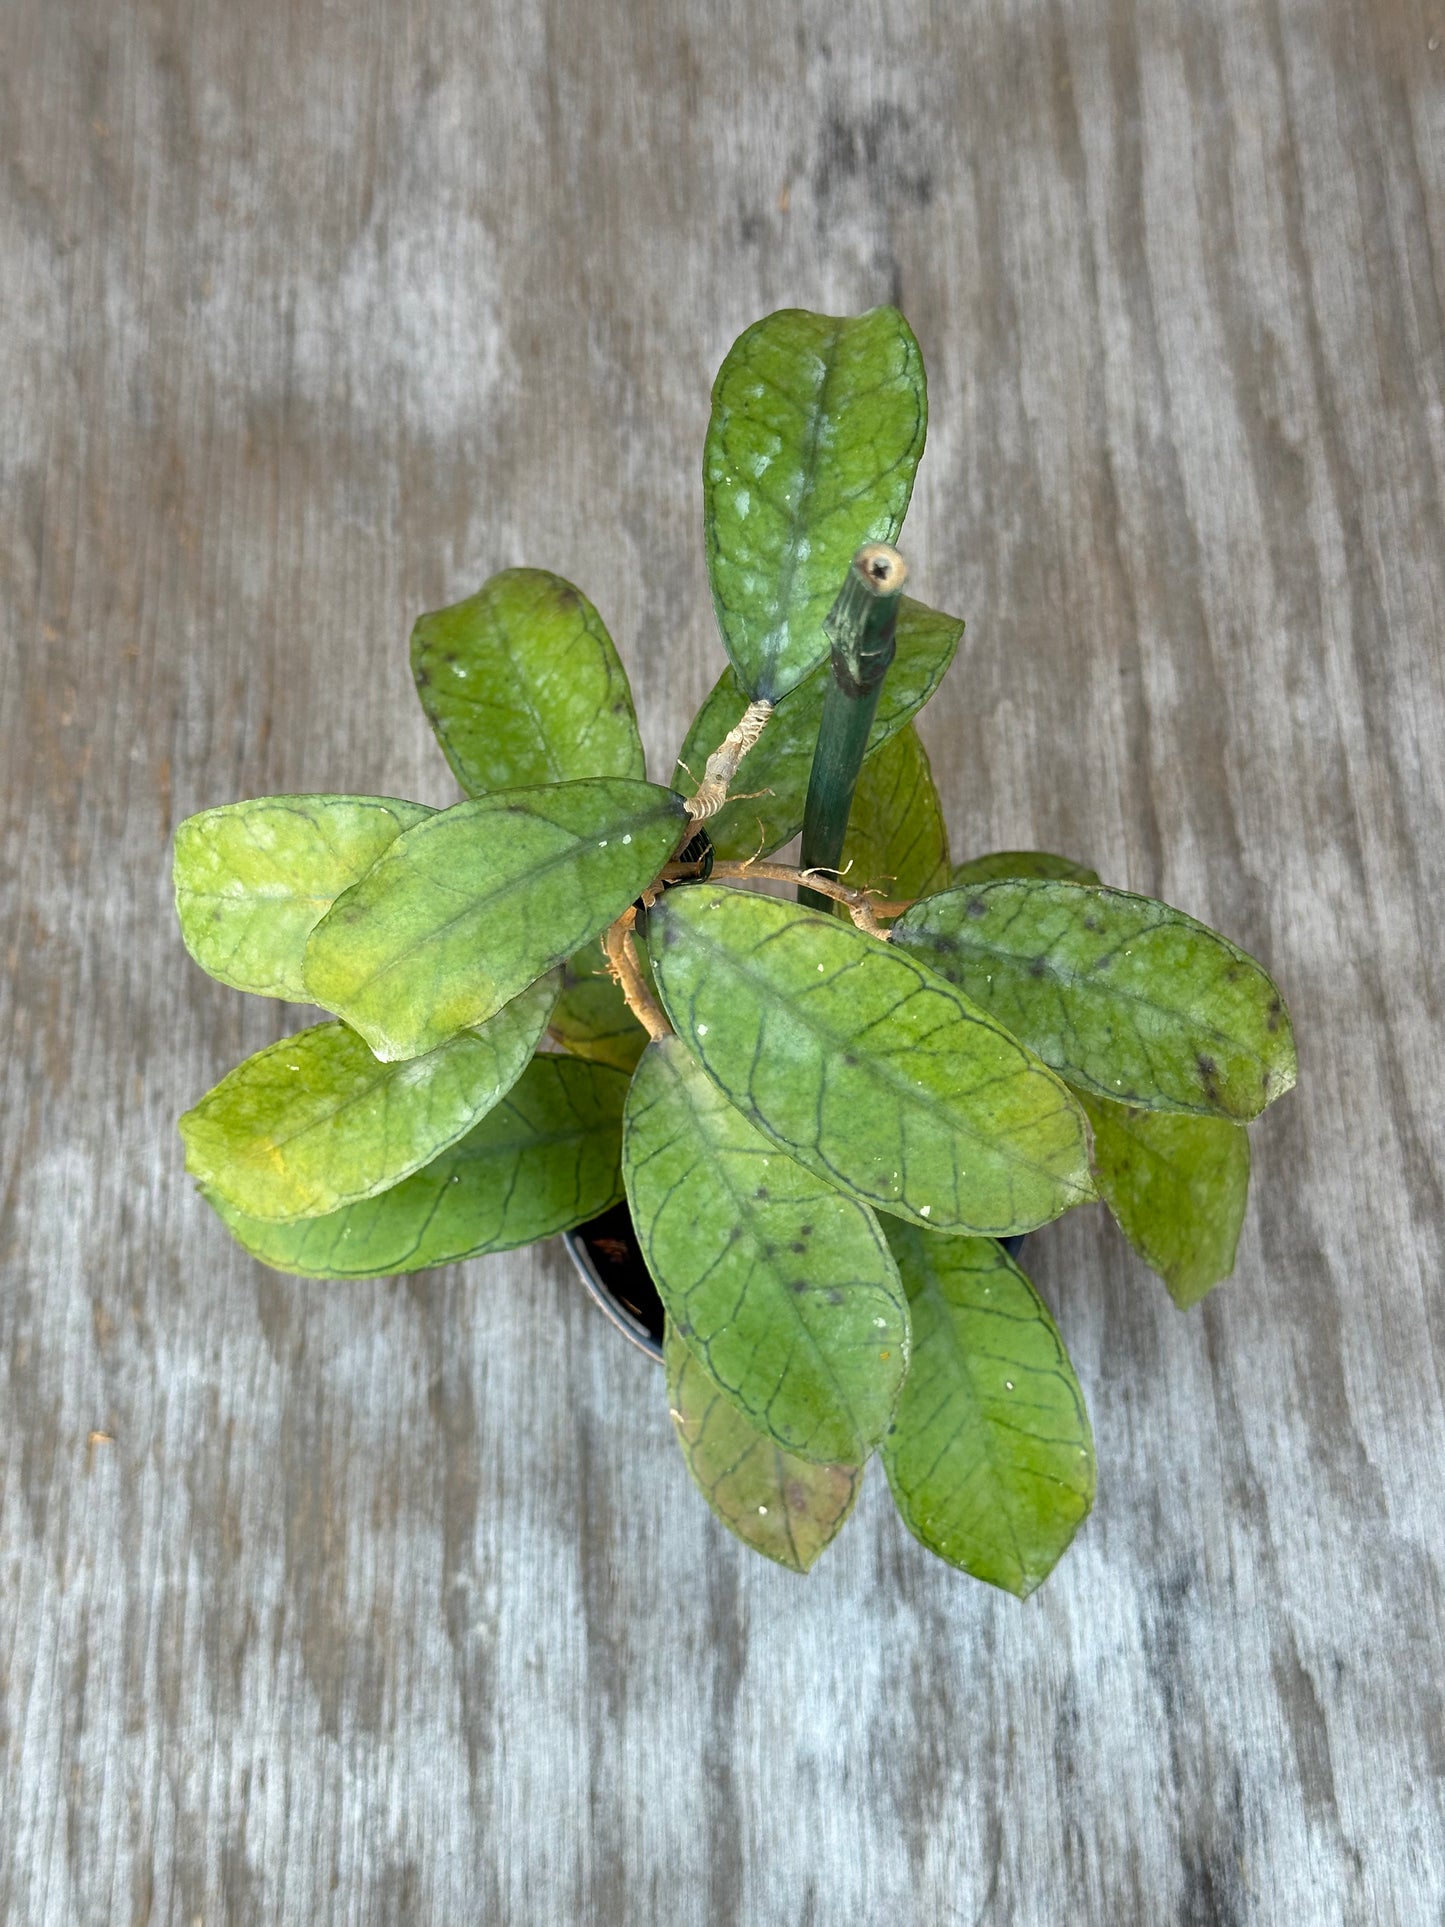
[{"x": 391, "y": 1603}]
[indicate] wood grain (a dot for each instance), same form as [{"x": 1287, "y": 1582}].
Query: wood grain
[{"x": 390, "y": 1603}]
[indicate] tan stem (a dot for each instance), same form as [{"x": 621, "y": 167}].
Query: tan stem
[
  {"x": 864, "y": 909},
  {"x": 722, "y": 765},
  {"x": 620, "y": 949}
]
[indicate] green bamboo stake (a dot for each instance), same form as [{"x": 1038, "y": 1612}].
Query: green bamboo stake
[{"x": 861, "y": 626}]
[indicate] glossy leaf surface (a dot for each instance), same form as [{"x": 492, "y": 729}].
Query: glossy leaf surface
[
  {"x": 522, "y": 685},
  {"x": 783, "y": 1506},
  {"x": 867, "y": 1067},
  {"x": 315, "y": 1121},
  {"x": 990, "y": 1456},
  {"x": 779, "y": 763},
  {"x": 591, "y": 1018},
  {"x": 465, "y": 911},
  {"x": 999, "y": 864},
  {"x": 1178, "y": 1187},
  {"x": 784, "y": 1288},
  {"x": 542, "y": 1160},
  {"x": 816, "y": 429},
  {"x": 254, "y": 879},
  {"x": 896, "y": 840},
  {"x": 1122, "y": 995}
]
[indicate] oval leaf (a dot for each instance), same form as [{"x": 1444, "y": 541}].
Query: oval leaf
[
  {"x": 867, "y": 1067},
  {"x": 990, "y": 1456},
  {"x": 254, "y": 879},
  {"x": 1122, "y": 995},
  {"x": 522, "y": 685},
  {"x": 1021, "y": 863},
  {"x": 896, "y": 839},
  {"x": 785, "y": 1507},
  {"x": 772, "y": 785},
  {"x": 784, "y": 1288},
  {"x": 1177, "y": 1186},
  {"x": 816, "y": 430},
  {"x": 315, "y": 1121},
  {"x": 542, "y": 1160},
  {"x": 466, "y": 910}
]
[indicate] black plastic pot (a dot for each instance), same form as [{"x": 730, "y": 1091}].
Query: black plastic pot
[{"x": 610, "y": 1264}]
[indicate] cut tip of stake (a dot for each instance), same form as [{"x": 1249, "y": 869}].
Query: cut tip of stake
[{"x": 882, "y": 568}]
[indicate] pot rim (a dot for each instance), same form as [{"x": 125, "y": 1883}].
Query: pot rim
[{"x": 630, "y": 1326}]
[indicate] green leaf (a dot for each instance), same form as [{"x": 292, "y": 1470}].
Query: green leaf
[
  {"x": 1122, "y": 995},
  {"x": 542, "y": 1160},
  {"x": 990, "y": 1456},
  {"x": 254, "y": 879},
  {"x": 817, "y": 426},
  {"x": 315, "y": 1122},
  {"x": 1021, "y": 863},
  {"x": 591, "y": 1018},
  {"x": 779, "y": 763},
  {"x": 866, "y": 1066},
  {"x": 476, "y": 903},
  {"x": 785, "y": 1507},
  {"x": 784, "y": 1288},
  {"x": 1177, "y": 1186},
  {"x": 522, "y": 685},
  {"x": 896, "y": 839}
]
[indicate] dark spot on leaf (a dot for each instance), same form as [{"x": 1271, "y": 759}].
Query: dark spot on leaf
[
  {"x": 799, "y": 1245},
  {"x": 1231, "y": 975},
  {"x": 1036, "y": 967},
  {"x": 805, "y": 1231},
  {"x": 835, "y": 1296},
  {"x": 421, "y": 678},
  {"x": 977, "y": 907},
  {"x": 799, "y": 1285},
  {"x": 1208, "y": 1076},
  {"x": 762, "y": 1192},
  {"x": 1274, "y": 1014},
  {"x": 1091, "y": 923},
  {"x": 850, "y": 1057}
]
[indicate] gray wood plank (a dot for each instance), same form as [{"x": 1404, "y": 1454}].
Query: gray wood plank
[{"x": 391, "y": 1602}]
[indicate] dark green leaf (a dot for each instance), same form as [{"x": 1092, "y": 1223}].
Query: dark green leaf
[
  {"x": 999, "y": 864},
  {"x": 1178, "y": 1187},
  {"x": 785, "y": 1507},
  {"x": 591, "y": 1018},
  {"x": 1122, "y": 995},
  {"x": 990, "y": 1455},
  {"x": 254, "y": 879},
  {"x": 780, "y": 761},
  {"x": 314, "y": 1122},
  {"x": 522, "y": 685},
  {"x": 469, "y": 908},
  {"x": 784, "y": 1288},
  {"x": 896, "y": 839},
  {"x": 866, "y": 1066},
  {"x": 542, "y": 1160},
  {"x": 817, "y": 426}
]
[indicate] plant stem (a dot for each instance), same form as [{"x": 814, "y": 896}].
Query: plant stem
[
  {"x": 864, "y": 908},
  {"x": 861, "y": 627},
  {"x": 620, "y": 949}
]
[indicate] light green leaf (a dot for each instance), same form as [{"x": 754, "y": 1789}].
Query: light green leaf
[
  {"x": 817, "y": 426},
  {"x": 314, "y": 1122},
  {"x": 896, "y": 839},
  {"x": 999, "y": 864},
  {"x": 1178, "y": 1187},
  {"x": 542, "y": 1160},
  {"x": 473, "y": 905},
  {"x": 784, "y": 1288},
  {"x": 254, "y": 879},
  {"x": 779, "y": 763},
  {"x": 785, "y": 1507},
  {"x": 522, "y": 685},
  {"x": 1122, "y": 995},
  {"x": 591, "y": 1018},
  {"x": 990, "y": 1456},
  {"x": 867, "y": 1067}
]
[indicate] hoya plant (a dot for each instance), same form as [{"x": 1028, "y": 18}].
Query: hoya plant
[{"x": 833, "y": 1105}]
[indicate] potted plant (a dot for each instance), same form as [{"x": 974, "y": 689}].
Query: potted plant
[{"x": 828, "y": 1117}]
